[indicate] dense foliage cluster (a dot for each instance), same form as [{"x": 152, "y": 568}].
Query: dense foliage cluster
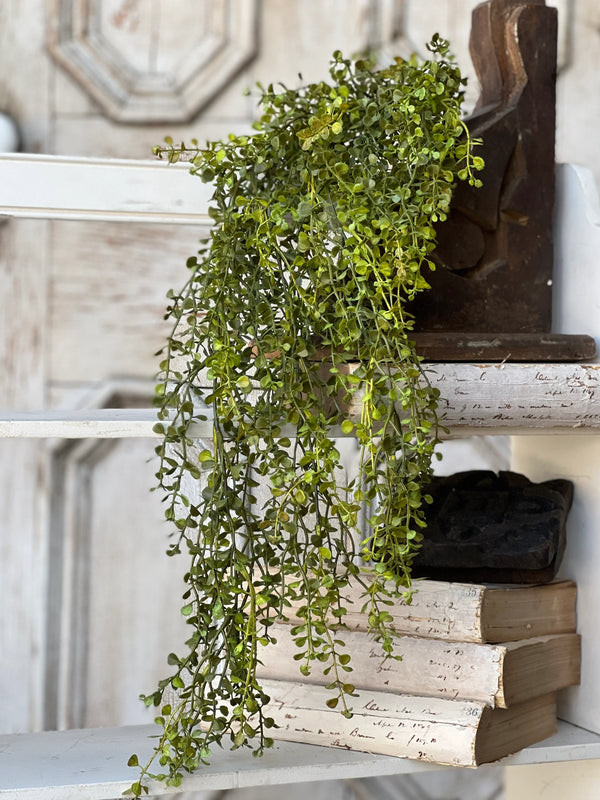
[{"x": 323, "y": 225}]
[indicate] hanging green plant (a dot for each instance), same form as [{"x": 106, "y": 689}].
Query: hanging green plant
[{"x": 323, "y": 225}]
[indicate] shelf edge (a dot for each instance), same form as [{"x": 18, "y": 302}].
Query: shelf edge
[{"x": 91, "y": 764}]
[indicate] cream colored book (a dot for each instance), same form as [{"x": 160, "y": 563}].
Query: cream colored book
[
  {"x": 453, "y": 732},
  {"x": 467, "y": 612},
  {"x": 498, "y": 675}
]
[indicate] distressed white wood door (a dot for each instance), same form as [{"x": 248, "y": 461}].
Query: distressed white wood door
[
  {"x": 88, "y": 600},
  {"x": 87, "y": 597}
]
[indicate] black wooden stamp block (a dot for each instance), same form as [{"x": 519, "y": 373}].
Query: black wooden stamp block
[{"x": 488, "y": 527}]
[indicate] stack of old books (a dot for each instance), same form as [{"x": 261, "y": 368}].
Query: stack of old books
[{"x": 478, "y": 678}]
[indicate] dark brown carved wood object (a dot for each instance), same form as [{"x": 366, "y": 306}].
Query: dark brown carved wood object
[
  {"x": 501, "y": 528},
  {"x": 491, "y": 294}
]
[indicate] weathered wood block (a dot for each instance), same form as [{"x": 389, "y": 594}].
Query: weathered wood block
[
  {"x": 453, "y": 732},
  {"x": 466, "y": 612},
  {"x": 499, "y": 675},
  {"x": 495, "y": 251},
  {"x": 501, "y": 528}
]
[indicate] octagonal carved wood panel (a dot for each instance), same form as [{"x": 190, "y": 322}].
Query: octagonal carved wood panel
[{"x": 149, "y": 61}]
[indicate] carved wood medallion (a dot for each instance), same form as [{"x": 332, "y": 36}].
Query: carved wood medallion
[{"x": 152, "y": 61}]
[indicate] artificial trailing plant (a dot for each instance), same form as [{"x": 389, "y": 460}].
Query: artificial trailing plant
[{"x": 323, "y": 225}]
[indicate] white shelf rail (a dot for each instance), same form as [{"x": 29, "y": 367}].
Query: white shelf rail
[
  {"x": 115, "y": 190},
  {"x": 475, "y": 398},
  {"x": 92, "y": 763}
]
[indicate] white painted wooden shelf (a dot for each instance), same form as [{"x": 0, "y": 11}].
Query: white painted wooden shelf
[
  {"x": 103, "y": 423},
  {"x": 92, "y": 763},
  {"x": 475, "y": 398},
  {"x": 113, "y": 190}
]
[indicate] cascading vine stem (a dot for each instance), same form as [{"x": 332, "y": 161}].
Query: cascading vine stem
[{"x": 324, "y": 224}]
